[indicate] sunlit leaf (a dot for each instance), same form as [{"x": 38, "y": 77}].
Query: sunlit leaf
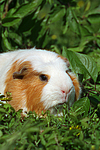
[
  {"x": 81, "y": 106},
  {"x": 87, "y": 6},
  {"x": 82, "y": 64},
  {"x": 57, "y": 15},
  {"x": 94, "y": 11},
  {"x": 10, "y": 21},
  {"x": 6, "y": 42},
  {"x": 26, "y": 8}
]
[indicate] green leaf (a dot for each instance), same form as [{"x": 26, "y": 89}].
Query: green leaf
[
  {"x": 51, "y": 142},
  {"x": 10, "y": 12},
  {"x": 15, "y": 37},
  {"x": 93, "y": 11},
  {"x": 87, "y": 6},
  {"x": 84, "y": 41},
  {"x": 65, "y": 28},
  {"x": 32, "y": 129},
  {"x": 90, "y": 65},
  {"x": 84, "y": 31},
  {"x": 81, "y": 106},
  {"x": 82, "y": 64},
  {"x": 6, "y": 43},
  {"x": 46, "y": 130},
  {"x": 26, "y": 8},
  {"x": 73, "y": 21},
  {"x": 94, "y": 19},
  {"x": 42, "y": 140},
  {"x": 54, "y": 48},
  {"x": 84, "y": 122},
  {"x": 96, "y": 56},
  {"x": 94, "y": 99},
  {"x": 66, "y": 139},
  {"x": 43, "y": 12},
  {"x": 82, "y": 45},
  {"x": 10, "y": 21},
  {"x": 75, "y": 49},
  {"x": 59, "y": 14},
  {"x": 1, "y": 1},
  {"x": 2, "y": 110}
]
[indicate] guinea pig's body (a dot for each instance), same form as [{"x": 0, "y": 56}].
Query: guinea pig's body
[{"x": 37, "y": 80}]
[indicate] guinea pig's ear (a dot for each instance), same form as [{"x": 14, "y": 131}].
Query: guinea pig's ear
[{"x": 21, "y": 73}]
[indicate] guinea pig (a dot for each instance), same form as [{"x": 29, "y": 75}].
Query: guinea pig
[{"x": 37, "y": 79}]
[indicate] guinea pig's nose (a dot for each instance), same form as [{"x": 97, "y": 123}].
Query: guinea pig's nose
[
  {"x": 66, "y": 91},
  {"x": 63, "y": 91}
]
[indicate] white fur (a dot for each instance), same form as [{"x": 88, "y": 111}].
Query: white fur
[
  {"x": 48, "y": 63},
  {"x": 40, "y": 59}
]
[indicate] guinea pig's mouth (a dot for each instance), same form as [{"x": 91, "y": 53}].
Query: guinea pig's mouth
[
  {"x": 64, "y": 100},
  {"x": 67, "y": 98}
]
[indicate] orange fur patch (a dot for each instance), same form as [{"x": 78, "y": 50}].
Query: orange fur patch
[
  {"x": 26, "y": 92},
  {"x": 76, "y": 85}
]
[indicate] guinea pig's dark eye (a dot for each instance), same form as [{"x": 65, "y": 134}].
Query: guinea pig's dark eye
[{"x": 43, "y": 77}]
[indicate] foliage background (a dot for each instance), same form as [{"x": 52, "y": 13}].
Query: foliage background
[{"x": 70, "y": 28}]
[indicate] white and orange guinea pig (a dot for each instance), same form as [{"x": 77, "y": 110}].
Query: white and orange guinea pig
[{"x": 37, "y": 79}]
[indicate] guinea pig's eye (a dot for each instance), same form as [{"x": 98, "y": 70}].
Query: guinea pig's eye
[{"x": 43, "y": 77}]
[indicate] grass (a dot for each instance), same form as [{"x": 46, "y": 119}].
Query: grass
[{"x": 77, "y": 129}]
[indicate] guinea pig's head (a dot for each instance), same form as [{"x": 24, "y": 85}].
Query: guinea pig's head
[{"x": 41, "y": 81}]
